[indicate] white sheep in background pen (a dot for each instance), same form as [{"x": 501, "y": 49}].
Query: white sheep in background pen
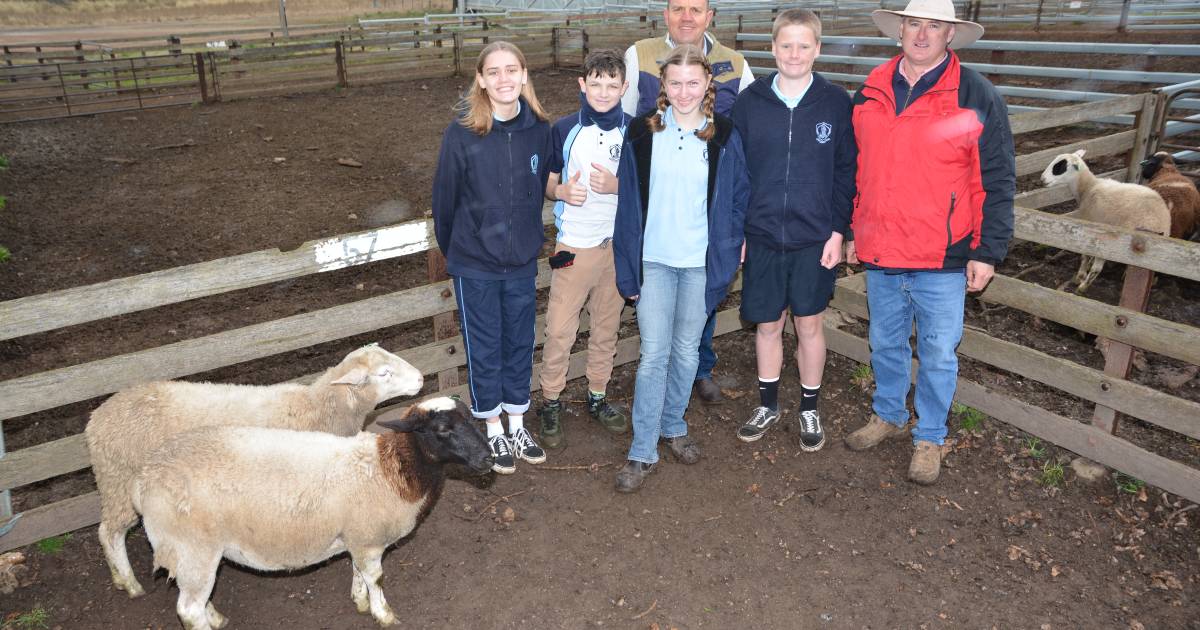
[
  {"x": 1129, "y": 206},
  {"x": 133, "y": 422},
  {"x": 273, "y": 499}
]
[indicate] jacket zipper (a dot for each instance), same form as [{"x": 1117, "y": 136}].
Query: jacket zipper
[
  {"x": 787, "y": 178},
  {"x": 949, "y": 233},
  {"x": 511, "y": 199}
]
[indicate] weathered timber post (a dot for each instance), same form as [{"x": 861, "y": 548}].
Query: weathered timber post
[
  {"x": 1037, "y": 21},
  {"x": 554, "y": 46},
  {"x": 444, "y": 325},
  {"x": 216, "y": 77},
  {"x": 583, "y": 34},
  {"x": 1123, "y": 25},
  {"x": 737, "y": 43},
  {"x": 201, "y": 78},
  {"x": 79, "y": 58},
  {"x": 458, "y": 44},
  {"x": 339, "y": 58},
  {"x": 175, "y": 45},
  {"x": 1135, "y": 295}
]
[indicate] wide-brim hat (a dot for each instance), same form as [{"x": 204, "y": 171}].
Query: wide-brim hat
[{"x": 965, "y": 32}]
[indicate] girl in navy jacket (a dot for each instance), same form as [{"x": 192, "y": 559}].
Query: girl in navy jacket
[
  {"x": 487, "y": 217},
  {"x": 681, "y": 195}
]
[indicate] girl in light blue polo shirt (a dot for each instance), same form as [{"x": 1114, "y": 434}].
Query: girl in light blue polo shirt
[{"x": 681, "y": 197}]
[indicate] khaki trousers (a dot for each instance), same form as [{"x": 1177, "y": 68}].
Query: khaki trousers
[{"x": 591, "y": 279}]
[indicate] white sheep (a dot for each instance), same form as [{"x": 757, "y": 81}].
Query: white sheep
[
  {"x": 1177, "y": 191},
  {"x": 133, "y": 422},
  {"x": 1129, "y": 206},
  {"x": 273, "y": 499}
]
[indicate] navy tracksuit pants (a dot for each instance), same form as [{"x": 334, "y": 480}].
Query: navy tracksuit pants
[{"x": 498, "y": 319}]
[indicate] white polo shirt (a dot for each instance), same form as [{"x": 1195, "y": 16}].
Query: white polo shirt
[{"x": 590, "y": 224}]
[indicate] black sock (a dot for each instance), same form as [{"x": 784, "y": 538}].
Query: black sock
[
  {"x": 768, "y": 393},
  {"x": 808, "y": 397}
]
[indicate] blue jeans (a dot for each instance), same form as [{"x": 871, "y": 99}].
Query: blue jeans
[
  {"x": 936, "y": 300},
  {"x": 708, "y": 356},
  {"x": 671, "y": 315}
]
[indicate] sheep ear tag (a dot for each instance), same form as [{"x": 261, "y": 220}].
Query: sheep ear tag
[
  {"x": 401, "y": 426},
  {"x": 357, "y": 376}
]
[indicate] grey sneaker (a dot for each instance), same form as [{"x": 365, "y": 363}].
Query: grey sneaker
[
  {"x": 552, "y": 431},
  {"x": 525, "y": 448},
  {"x": 608, "y": 416},
  {"x": 812, "y": 437},
  {"x": 756, "y": 427}
]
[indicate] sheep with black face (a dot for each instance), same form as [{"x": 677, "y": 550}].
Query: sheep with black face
[
  {"x": 1129, "y": 206},
  {"x": 274, "y": 499}
]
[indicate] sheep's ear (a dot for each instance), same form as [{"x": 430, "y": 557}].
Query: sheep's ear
[
  {"x": 1080, "y": 153},
  {"x": 404, "y": 425},
  {"x": 355, "y": 377}
]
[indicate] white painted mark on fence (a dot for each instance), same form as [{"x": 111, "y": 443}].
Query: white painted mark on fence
[
  {"x": 398, "y": 240},
  {"x": 217, "y": 44}
]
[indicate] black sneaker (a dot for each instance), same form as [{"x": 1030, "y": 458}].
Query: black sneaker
[
  {"x": 525, "y": 448},
  {"x": 502, "y": 455},
  {"x": 812, "y": 437},
  {"x": 606, "y": 414},
  {"x": 552, "y": 432},
  {"x": 756, "y": 427}
]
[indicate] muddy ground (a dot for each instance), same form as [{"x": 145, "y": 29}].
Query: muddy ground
[{"x": 753, "y": 536}]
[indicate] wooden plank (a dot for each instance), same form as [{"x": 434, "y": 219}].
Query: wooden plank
[
  {"x": 1139, "y": 401},
  {"x": 1096, "y": 147},
  {"x": 58, "y": 309},
  {"x": 53, "y": 519},
  {"x": 1071, "y": 114},
  {"x": 1079, "y": 438},
  {"x": 1136, "y": 329},
  {"x": 1162, "y": 254}
]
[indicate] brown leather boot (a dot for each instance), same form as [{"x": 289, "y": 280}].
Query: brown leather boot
[
  {"x": 876, "y": 430},
  {"x": 926, "y": 463}
]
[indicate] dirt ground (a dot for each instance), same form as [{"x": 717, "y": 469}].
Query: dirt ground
[{"x": 753, "y": 536}]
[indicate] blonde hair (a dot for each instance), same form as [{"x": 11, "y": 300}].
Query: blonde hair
[
  {"x": 475, "y": 109},
  {"x": 686, "y": 55},
  {"x": 801, "y": 17}
]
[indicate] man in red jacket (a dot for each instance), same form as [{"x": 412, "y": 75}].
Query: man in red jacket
[{"x": 933, "y": 217}]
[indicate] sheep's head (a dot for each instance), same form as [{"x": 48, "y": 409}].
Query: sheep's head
[
  {"x": 446, "y": 433},
  {"x": 1064, "y": 168},
  {"x": 377, "y": 372},
  {"x": 1152, "y": 164}
]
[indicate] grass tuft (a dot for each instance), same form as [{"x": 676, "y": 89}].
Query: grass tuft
[
  {"x": 1052, "y": 475},
  {"x": 1128, "y": 483},
  {"x": 37, "y": 618},
  {"x": 862, "y": 377},
  {"x": 53, "y": 545},
  {"x": 969, "y": 418},
  {"x": 1035, "y": 447}
]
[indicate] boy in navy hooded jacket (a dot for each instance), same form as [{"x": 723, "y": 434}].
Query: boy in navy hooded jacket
[
  {"x": 802, "y": 159},
  {"x": 487, "y": 216}
]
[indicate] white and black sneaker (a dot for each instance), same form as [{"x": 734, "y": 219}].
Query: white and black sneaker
[
  {"x": 757, "y": 425},
  {"x": 812, "y": 437},
  {"x": 502, "y": 455},
  {"x": 525, "y": 448}
]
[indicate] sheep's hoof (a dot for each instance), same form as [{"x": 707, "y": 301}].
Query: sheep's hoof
[
  {"x": 388, "y": 618},
  {"x": 132, "y": 588},
  {"x": 215, "y": 619},
  {"x": 363, "y": 605}
]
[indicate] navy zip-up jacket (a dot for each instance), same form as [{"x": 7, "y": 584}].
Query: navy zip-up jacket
[
  {"x": 802, "y": 163},
  {"x": 487, "y": 197},
  {"x": 728, "y": 191}
]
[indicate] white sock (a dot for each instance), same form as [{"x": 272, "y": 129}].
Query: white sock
[
  {"x": 494, "y": 428},
  {"x": 515, "y": 421}
]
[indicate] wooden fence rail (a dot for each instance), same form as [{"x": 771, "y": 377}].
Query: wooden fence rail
[{"x": 1123, "y": 324}]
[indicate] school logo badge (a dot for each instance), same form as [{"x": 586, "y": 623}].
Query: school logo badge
[
  {"x": 704, "y": 154},
  {"x": 824, "y": 132},
  {"x": 614, "y": 152},
  {"x": 533, "y": 164}
]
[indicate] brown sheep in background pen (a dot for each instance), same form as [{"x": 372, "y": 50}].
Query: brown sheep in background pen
[{"x": 1177, "y": 190}]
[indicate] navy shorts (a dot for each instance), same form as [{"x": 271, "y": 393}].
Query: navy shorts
[{"x": 774, "y": 280}]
